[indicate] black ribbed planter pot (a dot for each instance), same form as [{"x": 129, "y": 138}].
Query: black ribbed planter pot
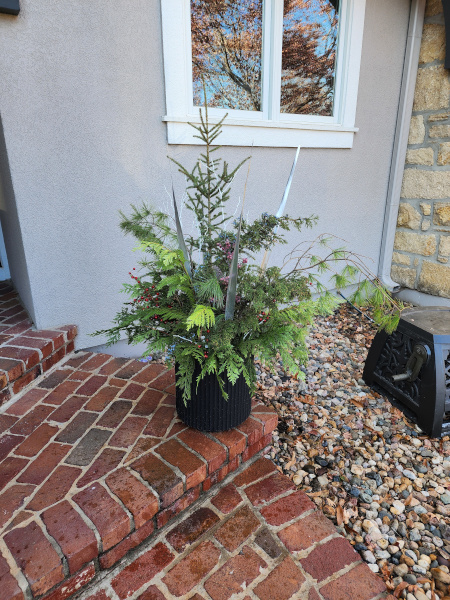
[{"x": 207, "y": 410}]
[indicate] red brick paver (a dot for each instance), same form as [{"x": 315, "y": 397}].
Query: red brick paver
[
  {"x": 235, "y": 575},
  {"x": 305, "y": 532},
  {"x": 359, "y": 583},
  {"x": 12, "y": 499},
  {"x": 329, "y": 558},
  {"x": 138, "y": 499},
  {"x": 192, "y": 569},
  {"x": 190, "y": 465},
  {"x": 142, "y": 570},
  {"x": 191, "y": 528},
  {"x": 237, "y": 529},
  {"x": 287, "y": 508},
  {"x": 282, "y": 582},
  {"x": 227, "y": 499},
  {"x": 9, "y": 584},
  {"x": 268, "y": 489},
  {"x": 214, "y": 453},
  {"x": 55, "y": 488},
  {"x": 73, "y": 584},
  {"x": 108, "y": 516},
  {"x": 36, "y": 557},
  {"x": 166, "y": 483},
  {"x": 73, "y": 535},
  {"x": 131, "y": 541}
]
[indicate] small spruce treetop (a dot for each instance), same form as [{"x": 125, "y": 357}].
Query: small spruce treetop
[{"x": 203, "y": 300}]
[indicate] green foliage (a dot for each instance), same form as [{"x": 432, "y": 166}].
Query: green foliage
[
  {"x": 208, "y": 191},
  {"x": 201, "y": 316},
  {"x": 210, "y": 290},
  {"x": 178, "y": 304}
]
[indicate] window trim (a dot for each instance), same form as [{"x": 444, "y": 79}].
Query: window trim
[{"x": 246, "y": 128}]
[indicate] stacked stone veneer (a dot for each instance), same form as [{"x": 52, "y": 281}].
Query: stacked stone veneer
[{"x": 421, "y": 258}]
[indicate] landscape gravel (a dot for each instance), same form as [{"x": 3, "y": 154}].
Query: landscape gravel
[{"x": 384, "y": 482}]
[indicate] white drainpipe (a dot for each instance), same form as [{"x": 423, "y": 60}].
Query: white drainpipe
[{"x": 401, "y": 141}]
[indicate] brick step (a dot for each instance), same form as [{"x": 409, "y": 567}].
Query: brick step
[
  {"x": 93, "y": 461},
  {"x": 26, "y": 353},
  {"x": 256, "y": 537}
]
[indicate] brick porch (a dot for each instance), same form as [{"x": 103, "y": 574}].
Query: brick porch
[
  {"x": 24, "y": 352},
  {"x": 96, "y": 468},
  {"x": 256, "y": 538},
  {"x": 94, "y": 460}
]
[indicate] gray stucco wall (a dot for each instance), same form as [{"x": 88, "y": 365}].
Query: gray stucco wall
[{"x": 81, "y": 101}]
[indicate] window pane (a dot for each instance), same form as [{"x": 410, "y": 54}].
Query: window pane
[
  {"x": 226, "y": 52},
  {"x": 310, "y": 29}
]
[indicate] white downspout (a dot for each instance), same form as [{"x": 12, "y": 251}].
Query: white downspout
[{"x": 410, "y": 67}]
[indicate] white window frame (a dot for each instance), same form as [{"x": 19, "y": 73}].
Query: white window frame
[{"x": 268, "y": 127}]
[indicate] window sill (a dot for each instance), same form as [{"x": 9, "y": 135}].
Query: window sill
[{"x": 281, "y": 134}]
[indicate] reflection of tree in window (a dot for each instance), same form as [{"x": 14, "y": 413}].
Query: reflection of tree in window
[
  {"x": 226, "y": 52},
  {"x": 310, "y": 30}
]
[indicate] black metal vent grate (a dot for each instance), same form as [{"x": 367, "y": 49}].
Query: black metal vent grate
[
  {"x": 413, "y": 366},
  {"x": 393, "y": 359}
]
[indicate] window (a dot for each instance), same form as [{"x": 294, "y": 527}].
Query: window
[{"x": 286, "y": 72}]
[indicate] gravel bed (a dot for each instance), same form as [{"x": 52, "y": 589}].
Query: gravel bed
[{"x": 382, "y": 481}]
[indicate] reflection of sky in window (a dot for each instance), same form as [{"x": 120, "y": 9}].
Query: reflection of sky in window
[
  {"x": 307, "y": 88},
  {"x": 229, "y": 56},
  {"x": 312, "y": 15}
]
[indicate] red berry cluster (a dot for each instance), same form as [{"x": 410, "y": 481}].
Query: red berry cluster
[
  {"x": 263, "y": 318},
  {"x": 149, "y": 298}
]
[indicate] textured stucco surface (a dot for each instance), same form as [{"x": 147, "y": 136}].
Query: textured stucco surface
[{"x": 81, "y": 101}]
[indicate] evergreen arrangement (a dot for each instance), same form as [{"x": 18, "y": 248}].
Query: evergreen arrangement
[{"x": 203, "y": 299}]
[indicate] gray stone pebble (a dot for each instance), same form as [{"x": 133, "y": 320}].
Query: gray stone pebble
[
  {"x": 411, "y": 554},
  {"x": 414, "y": 535},
  {"x": 419, "y": 570},
  {"x": 420, "y": 510},
  {"x": 368, "y": 556}
]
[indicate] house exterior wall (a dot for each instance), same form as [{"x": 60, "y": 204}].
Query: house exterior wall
[
  {"x": 81, "y": 102},
  {"x": 422, "y": 243}
]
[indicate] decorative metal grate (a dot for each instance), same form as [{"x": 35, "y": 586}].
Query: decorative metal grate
[
  {"x": 393, "y": 358},
  {"x": 412, "y": 366}
]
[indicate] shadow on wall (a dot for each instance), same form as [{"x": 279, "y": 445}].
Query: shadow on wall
[{"x": 12, "y": 234}]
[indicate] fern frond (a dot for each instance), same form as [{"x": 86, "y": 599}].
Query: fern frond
[
  {"x": 210, "y": 288},
  {"x": 201, "y": 316}
]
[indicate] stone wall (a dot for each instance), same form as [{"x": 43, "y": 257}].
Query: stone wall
[{"x": 422, "y": 243}]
